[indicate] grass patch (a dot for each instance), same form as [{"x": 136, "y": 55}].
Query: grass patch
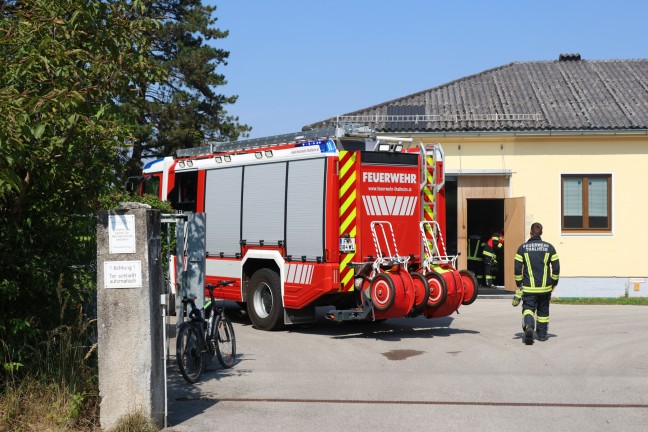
[
  {"x": 33, "y": 405},
  {"x": 633, "y": 301},
  {"x": 135, "y": 423}
]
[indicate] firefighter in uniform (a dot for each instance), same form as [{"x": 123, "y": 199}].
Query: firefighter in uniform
[
  {"x": 537, "y": 270},
  {"x": 491, "y": 247},
  {"x": 475, "y": 258}
]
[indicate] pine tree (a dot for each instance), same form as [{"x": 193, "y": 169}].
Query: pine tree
[{"x": 185, "y": 109}]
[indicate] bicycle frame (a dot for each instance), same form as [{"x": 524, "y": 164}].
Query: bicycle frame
[
  {"x": 203, "y": 325},
  {"x": 204, "y": 316}
]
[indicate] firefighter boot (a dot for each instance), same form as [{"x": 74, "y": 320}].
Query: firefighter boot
[
  {"x": 542, "y": 331},
  {"x": 528, "y": 335}
]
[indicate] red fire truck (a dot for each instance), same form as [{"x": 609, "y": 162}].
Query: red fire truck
[{"x": 334, "y": 217}]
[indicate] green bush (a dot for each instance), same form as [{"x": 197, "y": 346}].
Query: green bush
[
  {"x": 112, "y": 201},
  {"x": 58, "y": 390}
]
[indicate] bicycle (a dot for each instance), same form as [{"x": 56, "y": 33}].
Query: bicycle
[{"x": 209, "y": 332}]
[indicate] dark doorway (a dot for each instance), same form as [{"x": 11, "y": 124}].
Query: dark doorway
[{"x": 486, "y": 217}]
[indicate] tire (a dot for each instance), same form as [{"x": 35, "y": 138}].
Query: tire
[
  {"x": 382, "y": 292},
  {"x": 469, "y": 280},
  {"x": 225, "y": 341},
  {"x": 189, "y": 356},
  {"x": 264, "y": 302},
  {"x": 438, "y": 289}
]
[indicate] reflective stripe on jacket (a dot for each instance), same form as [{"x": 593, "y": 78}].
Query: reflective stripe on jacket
[
  {"x": 537, "y": 267},
  {"x": 491, "y": 246}
]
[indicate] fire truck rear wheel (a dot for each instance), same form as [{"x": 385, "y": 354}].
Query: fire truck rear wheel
[{"x": 264, "y": 304}]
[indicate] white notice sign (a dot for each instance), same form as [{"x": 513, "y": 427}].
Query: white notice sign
[
  {"x": 121, "y": 234},
  {"x": 122, "y": 274}
]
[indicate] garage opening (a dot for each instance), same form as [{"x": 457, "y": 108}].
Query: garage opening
[{"x": 486, "y": 217}]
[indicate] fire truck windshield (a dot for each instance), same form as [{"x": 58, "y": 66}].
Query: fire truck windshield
[{"x": 151, "y": 185}]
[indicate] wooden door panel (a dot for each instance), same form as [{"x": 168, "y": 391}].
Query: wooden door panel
[{"x": 514, "y": 236}]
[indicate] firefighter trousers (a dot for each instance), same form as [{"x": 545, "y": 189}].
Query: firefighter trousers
[
  {"x": 535, "y": 312},
  {"x": 490, "y": 265},
  {"x": 488, "y": 274}
]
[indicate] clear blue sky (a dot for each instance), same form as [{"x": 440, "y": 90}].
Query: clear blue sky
[{"x": 295, "y": 62}]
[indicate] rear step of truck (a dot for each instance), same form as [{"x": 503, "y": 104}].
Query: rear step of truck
[{"x": 357, "y": 314}]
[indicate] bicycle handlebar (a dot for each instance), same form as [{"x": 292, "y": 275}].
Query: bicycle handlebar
[{"x": 220, "y": 283}]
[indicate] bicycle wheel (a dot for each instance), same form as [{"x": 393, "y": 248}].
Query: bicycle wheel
[
  {"x": 189, "y": 352},
  {"x": 225, "y": 341}
]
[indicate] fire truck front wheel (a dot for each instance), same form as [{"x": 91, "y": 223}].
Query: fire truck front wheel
[{"x": 264, "y": 303}]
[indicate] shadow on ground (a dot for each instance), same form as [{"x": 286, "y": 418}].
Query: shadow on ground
[{"x": 395, "y": 329}]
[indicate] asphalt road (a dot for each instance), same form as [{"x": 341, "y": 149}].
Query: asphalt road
[{"x": 467, "y": 372}]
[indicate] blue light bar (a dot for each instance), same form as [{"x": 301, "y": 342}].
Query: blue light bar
[
  {"x": 329, "y": 147},
  {"x": 326, "y": 146}
]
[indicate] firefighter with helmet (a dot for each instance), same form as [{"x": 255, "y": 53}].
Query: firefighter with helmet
[
  {"x": 537, "y": 270},
  {"x": 492, "y": 247}
]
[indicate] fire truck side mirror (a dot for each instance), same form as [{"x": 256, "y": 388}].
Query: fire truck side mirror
[{"x": 132, "y": 184}]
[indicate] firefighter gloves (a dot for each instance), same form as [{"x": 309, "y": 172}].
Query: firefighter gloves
[{"x": 517, "y": 298}]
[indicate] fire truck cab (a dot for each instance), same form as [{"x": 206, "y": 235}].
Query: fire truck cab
[{"x": 336, "y": 217}]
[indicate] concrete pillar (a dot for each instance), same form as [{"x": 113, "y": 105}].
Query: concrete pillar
[{"x": 129, "y": 285}]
